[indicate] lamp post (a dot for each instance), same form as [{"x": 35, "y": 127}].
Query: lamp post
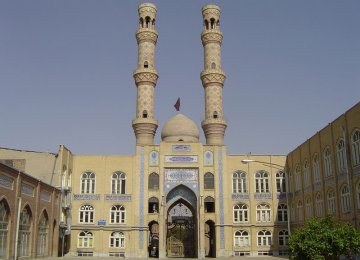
[{"x": 270, "y": 164}]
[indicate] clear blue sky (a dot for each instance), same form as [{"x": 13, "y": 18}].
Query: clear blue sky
[{"x": 66, "y": 71}]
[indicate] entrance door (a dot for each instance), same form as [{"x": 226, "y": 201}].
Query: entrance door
[
  {"x": 210, "y": 246},
  {"x": 180, "y": 239}
]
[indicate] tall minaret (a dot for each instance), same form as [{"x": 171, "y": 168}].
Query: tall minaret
[
  {"x": 145, "y": 76},
  {"x": 212, "y": 77}
]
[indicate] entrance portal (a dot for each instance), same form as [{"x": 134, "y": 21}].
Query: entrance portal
[{"x": 181, "y": 237}]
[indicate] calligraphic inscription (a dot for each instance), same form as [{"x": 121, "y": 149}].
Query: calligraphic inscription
[
  {"x": 27, "y": 189},
  {"x": 240, "y": 196},
  {"x": 281, "y": 196},
  {"x": 261, "y": 196},
  {"x": 208, "y": 158},
  {"x": 6, "y": 182},
  {"x": 45, "y": 196},
  {"x": 180, "y": 159},
  {"x": 181, "y": 148},
  {"x": 117, "y": 197},
  {"x": 87, "y": 197},
  {"x": 153, "y": 158},
  {"x": 181, "y": 175}
]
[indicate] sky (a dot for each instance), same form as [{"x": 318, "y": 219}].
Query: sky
[{"x": 66, "y": 68}]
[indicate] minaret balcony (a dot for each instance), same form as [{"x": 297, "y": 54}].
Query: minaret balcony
[
  {"x": 208, "y": 36},
  {"x": 215, "y": 76},
  {"x": 145, "y": 75},
  {"x": 146, "y": 34}
]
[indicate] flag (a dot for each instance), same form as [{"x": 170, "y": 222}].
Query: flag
[{"x": 177, "y": 105}]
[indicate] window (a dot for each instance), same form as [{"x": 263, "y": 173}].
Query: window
[
  {"x": 215, "y": 114},
  {"x": 153, "y": 181},
  {"x": 262, "y": 182},
  {"x": 280, "y": 182},
  {"x": 316, "y": 168},
  {"x": 146, "y": 65},
  {"x": 117, "y": 214},
  {"x": 341, "y": 156},
  {"x": 345, "y": 199},
  {"x": 86, "y": 214},
  {"x": 355, "y": 147},
  {"x": 308, "y": 207},
  {"x": 282, "y": 213},
  {"x": 213, "y": 65},
  {"x": 147, "y": 22},
  {"x": 241, "y": 238},
  {"x": 300, "y": 210},
  {"x": 319, "y": 205},
  {"x": 306, "y": 174},
  {"x": 43, "y": 229},
  {"x": 264, "y": 238},
  {"x": 85, "y": 239},
  {"x": 209, "y": 204},
  {"x": 118, "y": 183},
  {"x": 283, "y": 237},
  {"x": 153, "y": 205},
  {"x": 292, "y": 213},
  {"x": 25, "y": 232},
  {"x": 263, "y": 212},
  {"x": 239, "y": 182},
  {"x": 144, "y": 114},
  {"x": 209, "y": 180},
  {"x": 241, "y": 213},
  {"x": 4, "y": 225},
  {"x": 297, "y": 178},
  {"x": 327, "y": 162},
  {"x": 88, "y": 183},
  {"x": 117, "y": 240},
  {"x": 331, "y": 202}
]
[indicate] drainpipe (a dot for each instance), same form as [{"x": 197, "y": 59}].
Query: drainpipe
[{"x": 17, "y": 228}]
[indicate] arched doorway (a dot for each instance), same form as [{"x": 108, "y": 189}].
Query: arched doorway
[
  {"x": 181, "y": 235},
  {"x": 153, "y": 239},
  {"x": 210, "y": 245}
]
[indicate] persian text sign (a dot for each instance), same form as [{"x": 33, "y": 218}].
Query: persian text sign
[
  {"x": 181, "y": 159},
  {"x": 181, "y": 175}
]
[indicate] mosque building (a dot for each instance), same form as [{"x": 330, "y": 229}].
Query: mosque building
[{"x": 182, "y": 197}]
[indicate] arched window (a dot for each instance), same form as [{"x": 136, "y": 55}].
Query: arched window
[
  {"x": 117, "y": 214},
  {"x": 206, "y": 23},
  {"x": 86, "y": 214},
  {"x": 241, "y": 213},
  {"x": 85, "y": 239},
  {"x": 213, "y": 65},
  {"x": 341, "y": 156},
  {"x": 306, "y": 174},
  {"x": 263, "y": 213},
  {"x": 327, "y": 162},
  {"x": 88, "y": 183},
  {"x": 153, "y": 205},
  {"x": 262, "y": 182},
  {"x": 117, "y": 240},
  {"x": 355, "y": 147},
  {"x": 153, "y": 181},
  {"x": 215, "y": 114},
  {"x": 308, "y": 207},
  {"x": 264, "y": 238},
  {"x": 282, "y": 213},
  {"x": 146, "y": 64},
  {"x": 118, "y": 183},
  {"x": 43, "y": 230},
  {"x": 331, "y": 202},
  {"x": 4, "y": 229},
  {"x": 345, "y": 199},
  {"x": 209, "y": 180},
  {"x": 280, "y": 182},
  {"x": 298, "y": 182},
  {"x": 147, "y": 22},
  {"x": 25, "y": 232},
  {"x": 300, "y": 210},
  {"x": 283, "y": 237},
  {"x": 145, "y": 114},
  {"x": 316, "y": 168},
  {"x": 141, "y": 23},
  {"x": 212, "y": 23},
  {"x": 319, "y": 205},
  {"x": 241, "y": 238},
  {"x": 239, "y": 182},
  {"x": 209, "y": 204}
]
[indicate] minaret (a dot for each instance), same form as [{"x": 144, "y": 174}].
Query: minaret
[
  {"x": 145, "y": 76},
  {"x": 212, "y": 77}
]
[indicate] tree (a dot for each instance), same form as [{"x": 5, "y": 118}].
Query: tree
[{"x": 324, "y": 239}]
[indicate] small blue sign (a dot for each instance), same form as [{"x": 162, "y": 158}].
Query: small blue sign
[{"x": 101, "y": 222}]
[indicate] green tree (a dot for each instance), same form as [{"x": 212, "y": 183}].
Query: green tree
[{"x": 324, "y": 239}]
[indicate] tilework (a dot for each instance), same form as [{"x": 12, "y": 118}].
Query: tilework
[
  {"x": 141, "y": 199},
  {"x": 221, "y": 198}
]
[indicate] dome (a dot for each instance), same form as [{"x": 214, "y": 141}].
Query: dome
[{"x": 180, "y": 128}]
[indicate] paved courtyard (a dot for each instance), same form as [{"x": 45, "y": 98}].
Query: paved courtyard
[{"x": 219, "y": 258}]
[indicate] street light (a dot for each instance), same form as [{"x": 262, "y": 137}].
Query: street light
[{"x": 247, "y": 161}]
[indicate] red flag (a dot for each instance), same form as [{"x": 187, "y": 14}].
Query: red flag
[{"x": 177, "y": 105}]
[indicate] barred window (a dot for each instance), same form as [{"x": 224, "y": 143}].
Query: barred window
[
  {"x": 117, "y": 240},
  {"x": 25, "y": 232},
  {"x": 85, "y": 239},
  {"x": 262, "y": 182},
  {"x": 88, "y": 183},
  {"x": 153, "y": 181},
  {"x": 263, "y": 213},
  {"x": 118, "y": 183},
  {"x": 209, "y": 180},
  {"x": 241, "y": 213},
  {"x": 117, "y": 214},
  {"x": 86, "y": 214},
  {"x": 241, "y": 238},
  {"x": 282, "y": 213},
  {"x": 43, "y": 231},
  {"x": 264, "y": 238},
  {"x": 239, "y": 182}
]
